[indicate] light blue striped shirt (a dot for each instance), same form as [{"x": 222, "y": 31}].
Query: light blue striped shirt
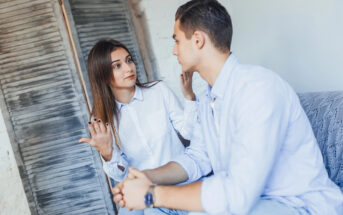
[{"x": 255, "y": 136}]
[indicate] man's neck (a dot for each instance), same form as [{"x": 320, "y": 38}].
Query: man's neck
[
  {"x": 211, "y": 66},
  {"x": 124, "y": 95}
]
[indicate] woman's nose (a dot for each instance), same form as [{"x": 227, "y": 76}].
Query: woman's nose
[{"x": 127, "y": 67}]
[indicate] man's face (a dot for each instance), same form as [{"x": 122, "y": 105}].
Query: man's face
[{"x": 184, "y": 49}]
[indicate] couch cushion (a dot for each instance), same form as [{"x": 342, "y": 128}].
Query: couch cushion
[{"x": 325, "y": 112}]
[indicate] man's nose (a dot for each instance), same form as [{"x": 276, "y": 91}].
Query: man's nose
[{"x": 174, "y": 50}]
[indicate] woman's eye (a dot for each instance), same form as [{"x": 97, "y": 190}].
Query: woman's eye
[
  {"x": 129, "y": 60},
  {"x": 116, "y": 66}
]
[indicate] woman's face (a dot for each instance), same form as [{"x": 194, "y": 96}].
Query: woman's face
[{"x": 123, "y": 68}]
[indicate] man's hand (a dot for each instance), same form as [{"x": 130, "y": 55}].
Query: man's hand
[
  {"x": 101, "y": 138},
  {"x": 186, "y": 85},
  {"x": 118, "y": 195},
  {"x": 134, "y": 189}
]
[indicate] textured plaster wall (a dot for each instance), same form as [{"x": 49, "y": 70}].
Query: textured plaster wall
[
  {"x": 300, "y": 40},
  {"x": 12, "y": 197}
]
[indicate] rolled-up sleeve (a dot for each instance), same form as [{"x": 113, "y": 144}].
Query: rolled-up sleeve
[{"x": 195, "y": 160}]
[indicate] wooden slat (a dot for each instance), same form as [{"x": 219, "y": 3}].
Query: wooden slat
[{"x": 45, "y": 112}]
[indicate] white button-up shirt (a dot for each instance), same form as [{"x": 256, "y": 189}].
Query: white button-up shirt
[
  {"x": 259, "y": 143},
  {"x": 147, "y": 130}
]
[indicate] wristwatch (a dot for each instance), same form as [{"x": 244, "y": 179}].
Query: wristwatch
[{"x": 149, "y": 198}]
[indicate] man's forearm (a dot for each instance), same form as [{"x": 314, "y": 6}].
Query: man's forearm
[
  {"x": 168, "y": 174},
  {"x": 186, "y": 197}
]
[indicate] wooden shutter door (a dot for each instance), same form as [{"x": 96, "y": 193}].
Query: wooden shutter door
[{"x": 46, "y": 113}]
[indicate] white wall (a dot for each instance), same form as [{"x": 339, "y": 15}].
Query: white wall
[
  {"x": 12, "y": 197},
  {"x": 300, "y": 40}
]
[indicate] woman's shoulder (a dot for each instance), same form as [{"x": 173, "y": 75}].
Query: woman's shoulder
[{"x": 155, "y": 86}]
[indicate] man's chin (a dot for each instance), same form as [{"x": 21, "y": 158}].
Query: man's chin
[{"x": 187, "y": 70}]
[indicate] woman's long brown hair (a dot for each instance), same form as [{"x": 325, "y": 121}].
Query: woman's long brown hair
[{"x": 100, "y": 77}]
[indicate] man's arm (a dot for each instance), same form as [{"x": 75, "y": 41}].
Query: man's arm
[
  {"x": 186, "y": 197},
  {"x": 168, "y": 174}
]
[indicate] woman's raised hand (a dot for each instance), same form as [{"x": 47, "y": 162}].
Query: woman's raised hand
[
  {"x": 186, "y": 85},
  {"x": 101, "y": 138}
]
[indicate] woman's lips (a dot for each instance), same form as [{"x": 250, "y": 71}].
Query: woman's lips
[{"x": 130, "y": 77}]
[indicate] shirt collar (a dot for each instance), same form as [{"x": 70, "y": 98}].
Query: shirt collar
[
  {"x": 137, "y": 96},
  {"x": 218, "y": 89}
]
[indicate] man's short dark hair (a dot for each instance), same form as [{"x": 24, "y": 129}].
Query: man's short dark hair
[{"x": 208, "y": 16}]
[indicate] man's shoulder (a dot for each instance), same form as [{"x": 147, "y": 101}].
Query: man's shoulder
[
  {"x": 246, "y": 72},
  {"x": 256, "y": 77}
]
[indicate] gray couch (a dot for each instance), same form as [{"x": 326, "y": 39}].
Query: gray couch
[{"x": 325, "y": 112}]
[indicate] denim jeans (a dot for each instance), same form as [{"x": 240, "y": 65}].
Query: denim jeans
[
  {"x": 270, "y": 207},
  {"x": 152, "y": 211}
]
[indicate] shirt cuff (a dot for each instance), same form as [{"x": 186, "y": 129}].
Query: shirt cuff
[
  {"x": 189, "y": 165},
  {"x": 190, "y": 106},
  {"x": 214, "y": 195},
  {"x": 112, "y": 170}
]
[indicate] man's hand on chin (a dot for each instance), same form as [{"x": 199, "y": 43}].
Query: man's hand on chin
[{"x": 134, "y": 189}]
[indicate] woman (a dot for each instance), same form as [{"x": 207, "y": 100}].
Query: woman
[{"x": 143, "y": 118}]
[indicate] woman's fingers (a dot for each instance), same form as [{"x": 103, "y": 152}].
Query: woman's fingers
[
  {"x": 121, "y": 203},
  {"x": 182, "y": 80},
  {"x": 108, "y": 128},
  {"x": 118, "y": 198},
  {"x": 190, "y": 75},
  {"x": 186, "y": 76},
  {"x": 84, "y": 140},
  {"x": 91, "y": 129},
  {"x": 96, "y": 126},
  {"x": 102, "y": 127}
]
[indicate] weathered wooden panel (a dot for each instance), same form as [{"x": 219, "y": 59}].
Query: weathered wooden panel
[
  {"x": 45, "y": 112},
  {"x": 92, "y": 20}
]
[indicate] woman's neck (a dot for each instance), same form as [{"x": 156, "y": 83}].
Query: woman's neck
[{"x": 124, "y": 95}]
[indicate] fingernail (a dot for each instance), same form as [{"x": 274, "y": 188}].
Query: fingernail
[{"x": 89, "y": 122}]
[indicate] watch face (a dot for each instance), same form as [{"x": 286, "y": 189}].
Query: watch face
[{"x": 148, "y": 199}]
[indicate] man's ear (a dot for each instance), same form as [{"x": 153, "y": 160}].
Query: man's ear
[{"x": 199, "y": 39}]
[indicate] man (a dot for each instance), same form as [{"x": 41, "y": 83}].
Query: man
[{"x": 252, "y": 133}]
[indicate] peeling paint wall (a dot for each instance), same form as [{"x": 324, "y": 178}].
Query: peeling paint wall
[{"x": 12, "y": 196}]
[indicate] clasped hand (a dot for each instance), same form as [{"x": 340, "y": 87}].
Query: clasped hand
[{"x": 130, "y": 192}]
